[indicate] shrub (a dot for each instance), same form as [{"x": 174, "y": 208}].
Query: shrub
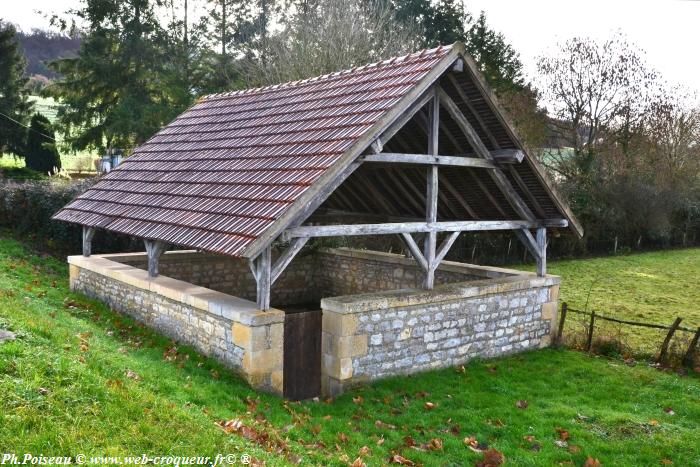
[
  {"x": 41, "y": 153},
  {"x": 26, "y": 209}
]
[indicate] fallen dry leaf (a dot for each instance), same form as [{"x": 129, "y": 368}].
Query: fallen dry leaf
[
  {"x": 435, "y": 444},
  {"x": 591, "y": 462},
  {"x": 381, "y": 424},
  {"x": 429, "y": 406},
  {"x": 358, "y": 463},
  {"x": 358, "y": 400},
  {"x": 43, "y": 391},
  {"x": 666, "y": 462},
  {"x": 498, "y": 423},
  {"x": 522, "y": 404},
  {"x": 409, "y": 441},
  {"x": 132, "y": 375},
  {"x": 573, "y": 449},
  {"x": 561, "y": 443},
  {"x": 529, "y": 438},
  {"x": 492, "y": 458},
  {"x": 653, "y": 422},
  {"x": 365, "y": 451},
  {"x": 563, "y": 434},
  {"x": 669, "y": 411},
  {"x": 343, "y": 437},
  {"x": 399, "y": 459}
]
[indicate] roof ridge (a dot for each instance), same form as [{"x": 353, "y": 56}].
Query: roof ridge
[{"x": 273, "y": 87}]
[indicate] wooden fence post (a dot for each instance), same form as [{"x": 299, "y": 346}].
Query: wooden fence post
[
  {"x": 664, "y": 346},
  {"x": 688, "y": 358},
  {"x": 589, "y": 344},
  {"x": 562, "y": 318}
]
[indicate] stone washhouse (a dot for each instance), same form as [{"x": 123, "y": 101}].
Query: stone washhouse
[{"x": 227, "y": 196}]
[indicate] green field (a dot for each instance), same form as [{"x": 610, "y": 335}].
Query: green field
[
  {"x": 650, "y": 287},
  {"x": 81, "y": 379}
]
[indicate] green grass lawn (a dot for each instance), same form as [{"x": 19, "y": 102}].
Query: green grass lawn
[
  {"x": 81, "y": 379},
  {"x": 650, "y": 287}
]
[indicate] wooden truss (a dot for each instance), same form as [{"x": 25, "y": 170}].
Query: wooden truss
[{"x": 430, "y": 255}]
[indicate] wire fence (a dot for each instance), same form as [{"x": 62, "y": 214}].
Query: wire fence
[{"x": 591, "y": 323}]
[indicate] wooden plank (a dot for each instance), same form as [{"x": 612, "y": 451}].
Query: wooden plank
[
  {"x": 301, "y": 373},
  {"x": 427, "y": 159},
  {"x": 415, "y": 251},
  {"x": 285, "y": 258},
  {"x": 667, "y": 340},
  {"x": 414, "y": 227},
  {"x": 88, "y": 234},
  {"x": 542, "y": 248},
  {"x": 263, "y": 279}
]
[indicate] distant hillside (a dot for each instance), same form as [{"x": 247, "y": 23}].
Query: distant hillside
[{"x": 41, "y": 47}]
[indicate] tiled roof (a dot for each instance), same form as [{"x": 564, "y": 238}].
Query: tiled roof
[{"x": 222, "y": 172}]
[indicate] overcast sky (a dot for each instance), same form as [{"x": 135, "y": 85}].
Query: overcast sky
[{"x": 668, "y": 30}]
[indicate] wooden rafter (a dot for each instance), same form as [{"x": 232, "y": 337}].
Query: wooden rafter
[{"x": 429, "y": 159}]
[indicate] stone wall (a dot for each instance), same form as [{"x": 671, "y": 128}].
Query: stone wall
[
  {"x": 227, "y": 328},
  {"x": 232, "y": 276},
  {"x": 346, "y": 272},
  {"x": 371, "y": 336},
  {"x": 397, "y": 328}
]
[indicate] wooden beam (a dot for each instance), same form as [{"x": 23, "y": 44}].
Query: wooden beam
[
  {"x": 529, "y": 241},
  {"x": 154, "y": 249},
  {"x": 286, "y": 257},
  {"x": 432, "y": 189},
  {"x": 414, "y": 227},
  {"x": 263, "y": 279},
  {"x": 445, "y": 247},
  {"x": 428, "y": 159},
  {"x": 508, "y": 156},
  {"x": 542, "y": 247},
  {"x": 88, "y": 234},
  {"x": 415, "y": 251}
]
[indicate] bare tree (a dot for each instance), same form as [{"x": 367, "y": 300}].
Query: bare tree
[
  {"x": 329, "y": 35},
  {"x": 593, "y": 90}
]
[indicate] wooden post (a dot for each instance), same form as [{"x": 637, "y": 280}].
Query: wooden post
[
  {"x": 263, "y": 277},
  {"x": 688, "y": 358},
  {"x": 542, "y": 248},
  {"x": 154, "y": 249},
  {"x": 432, "y": 194},
  {"x": 667, "y": 340},
  {"x": 589, "y": 344},
  {"x": 88, "y": 234},
  {"x": 562, "y": 318}
]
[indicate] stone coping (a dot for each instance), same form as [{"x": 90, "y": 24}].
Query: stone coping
[
  {"x": 350, "y": 304},
  {"x": 217, "y": 303}
]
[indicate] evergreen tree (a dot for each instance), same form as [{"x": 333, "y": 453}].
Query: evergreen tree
[
  {"x": 41, "y": 154},
  {"x": 116, "y": 93},
  {"x": 14, "y": 106},
  {"x": 497, "y": 59}
]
